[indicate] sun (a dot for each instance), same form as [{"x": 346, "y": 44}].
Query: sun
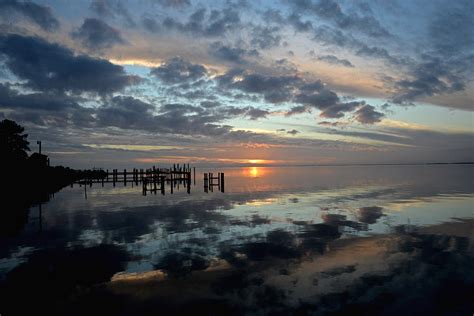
[{"x": 256, "y": 161}]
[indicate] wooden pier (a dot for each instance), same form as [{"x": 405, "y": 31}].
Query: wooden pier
[
  {"x": 155, "y": 179},
  {"x": 210, "y": 181}
]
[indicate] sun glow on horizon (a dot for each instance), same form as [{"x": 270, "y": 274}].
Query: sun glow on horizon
[{"x": 258, "y": 161}]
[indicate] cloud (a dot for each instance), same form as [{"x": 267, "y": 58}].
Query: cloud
[
  {"x": 332, "y": 124},
  {"x": 50, "y": 67},
  {"x": 451, "y": 28},
  {"x": 331, "y": 36},
  {"x": 321, "y": 99},
  {"x": 377, "y": 52},
  {"x": 433, "y": 77},
  {"x": 367, "y": 115},
  {"x": 331, "y": 59},
  {"x": 275, "y": 89},
  {"x": 38, "y": 14},
  {"x": 98, "y": 35},
  {"x": 150, "y": 24},
  {"x": 173, "y": 3},
  {"x": 294, "y": 19},
  {"x": 178, "y": 70},
  {"x": 299, "y": 109},
  {"x": 216, "y": 23},
  {"x": 254, "y": 113},
  {"x": 231, "y": 54},
  {"x": 331, "y": 11},
  {"x": 45, "y": 109},
  {"x": 292, "y": 132},
  {"x": 113, "y": 9},
  {"x": 338, "y": 110},
  {"x": 265, "y": 37},
  {"x": 327, "y": 101},
  {"x": 307, "y": 95},
  {"x": 126, "y": 112},
  {"x": 130, "y": 113},
  {"x": 10, "y": 98}
]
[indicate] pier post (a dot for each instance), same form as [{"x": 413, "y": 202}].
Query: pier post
[
  {"x": 172, "y": 182},
  {"x": 162, "y": 188},
  {"x": 206, "y": 183},
  {"x": 222, "y": 182},
  {"x": 188, "y": 181}
]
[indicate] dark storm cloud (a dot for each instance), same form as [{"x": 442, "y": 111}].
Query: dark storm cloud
[
  {"x": 231, "y": 54},
  {"x": 53, "y": 68},
  {"x": 331, "y": 59},
  {"x": 212, "y": 24},
  {"x": 38, "y": 14},
  {"x": 113, "y": 9},
  {"x": 331, "y": 11},
  {"x": 178, "y": 70},
  {"x": 97, "y": 35},
  {"x": 368, "y": 115}
]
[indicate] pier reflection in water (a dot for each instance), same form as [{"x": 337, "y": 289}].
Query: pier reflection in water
[{"x": 315, "y": 240}]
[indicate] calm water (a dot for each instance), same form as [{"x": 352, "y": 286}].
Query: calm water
[{"x": 304, "y": 239}]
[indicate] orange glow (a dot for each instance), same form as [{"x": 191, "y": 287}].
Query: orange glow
[
  {"x": 257, "y": 161},
  {"x": 254, "y": 172}
]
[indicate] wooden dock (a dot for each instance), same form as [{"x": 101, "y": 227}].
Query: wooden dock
[{"x": 155, "y": 179}]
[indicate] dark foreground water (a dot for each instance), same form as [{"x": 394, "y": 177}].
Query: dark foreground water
[{"x": 375, "y": 240}]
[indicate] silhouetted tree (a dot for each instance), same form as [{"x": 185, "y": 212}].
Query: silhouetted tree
[{"x": 13, "y": 142}]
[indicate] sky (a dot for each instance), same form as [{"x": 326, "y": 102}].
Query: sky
[{"x": 120, "y": 84}]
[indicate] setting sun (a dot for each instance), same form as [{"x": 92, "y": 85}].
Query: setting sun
[{"x": 257, "y": 161}]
